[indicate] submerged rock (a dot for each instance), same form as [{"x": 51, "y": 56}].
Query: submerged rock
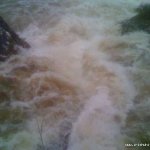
[
  {"x": 141, "y": 21},
  {"x": 9, "y": 41}
]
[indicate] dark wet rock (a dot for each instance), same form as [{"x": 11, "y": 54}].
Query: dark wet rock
[
  {"x": 9, "y": 41},
  {"x": 140, "y": 22}
]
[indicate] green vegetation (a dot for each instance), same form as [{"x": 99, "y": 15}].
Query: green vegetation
[
  {"x": 139, "y": 22},
  {"x": 140, "y": 136},
  {"x": 138, "y": 129}
]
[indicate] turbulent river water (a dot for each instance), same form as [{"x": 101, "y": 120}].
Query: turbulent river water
[{"x": 83, "y": 85}]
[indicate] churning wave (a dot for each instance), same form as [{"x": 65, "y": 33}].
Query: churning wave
[{"x": 77, "y": 87}]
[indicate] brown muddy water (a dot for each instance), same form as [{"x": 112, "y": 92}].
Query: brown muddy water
[{"x": 82, "y": 85}]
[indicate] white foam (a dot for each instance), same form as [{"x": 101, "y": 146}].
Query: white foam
[{"x": 73, "y": 51}]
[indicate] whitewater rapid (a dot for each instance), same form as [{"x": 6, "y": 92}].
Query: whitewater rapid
[{"x": 77, "y": 83}]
